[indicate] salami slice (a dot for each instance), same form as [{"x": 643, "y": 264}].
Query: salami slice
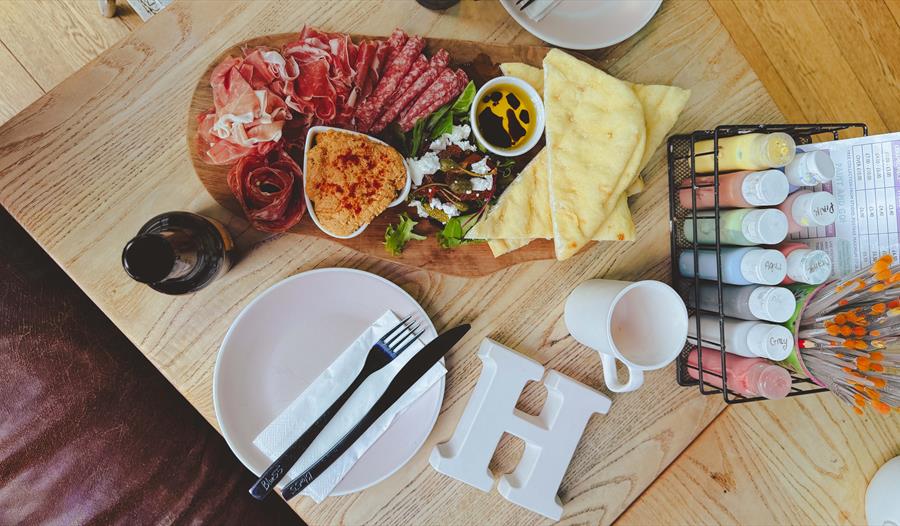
[
  {"x": 417, "y": 85},
  {"x": 447, "y": 86},
  {"x": 395, "y": 44},
  {"x": 393, "y": 76},
  {"x": 269, "y": 189},
  {"x": 418, "y": 68}
]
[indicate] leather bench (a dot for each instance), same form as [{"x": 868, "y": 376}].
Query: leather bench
[{"x": 90, "y": 431}]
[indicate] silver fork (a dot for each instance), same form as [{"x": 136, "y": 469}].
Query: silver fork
[
  {"x": 522, "y": 6},
  {"x": 382, "y": 353}
]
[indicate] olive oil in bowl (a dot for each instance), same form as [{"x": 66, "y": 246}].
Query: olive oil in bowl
[{"x": 507, "y": 116}]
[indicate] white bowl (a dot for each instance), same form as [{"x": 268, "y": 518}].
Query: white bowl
[
  {"x": 538, "y": 116},
  {"x": 309, "y": 206}
]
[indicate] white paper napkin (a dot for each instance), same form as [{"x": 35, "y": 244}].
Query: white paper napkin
[
  {"x": 307, "y": 407},
  {"x": 539, "y": 9}
]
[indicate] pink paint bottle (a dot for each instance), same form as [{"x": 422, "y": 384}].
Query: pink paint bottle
[
  {"x": 745, "y": 376},
  {"x": 806, "y": 209},
  {"x": 805, "y": 265},
  {"x": 738, "y": 190}
]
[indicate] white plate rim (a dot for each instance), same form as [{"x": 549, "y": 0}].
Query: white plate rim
[
  {"x": 534, "y": 28},
  {"x": 216, "y": 374}
]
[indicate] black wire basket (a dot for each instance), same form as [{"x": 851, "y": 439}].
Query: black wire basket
[{"x": 681, "y": 168}]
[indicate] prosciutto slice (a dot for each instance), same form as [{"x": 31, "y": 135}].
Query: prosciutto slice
[
  {"x": 418, "y": 83},
  {"x": 324, "y": 82},
  {"x": 269, "y": 189},
  {"x": 447, "y": 86},
  {"x": 245, "y": 118}
]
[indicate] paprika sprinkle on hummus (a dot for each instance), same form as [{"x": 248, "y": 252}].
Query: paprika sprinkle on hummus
[{"x": 351, "y": 179}]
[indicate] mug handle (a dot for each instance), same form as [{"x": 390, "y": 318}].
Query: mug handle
[{"x": 611, "y": 376}]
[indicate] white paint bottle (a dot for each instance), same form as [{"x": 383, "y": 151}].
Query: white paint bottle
[{"x": 743, "y": 338}]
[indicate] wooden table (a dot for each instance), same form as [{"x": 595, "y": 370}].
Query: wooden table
[{"x": 87, "y": 164}]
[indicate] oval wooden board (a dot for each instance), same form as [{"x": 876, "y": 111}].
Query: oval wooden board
[{"x": 481, "y": 62}]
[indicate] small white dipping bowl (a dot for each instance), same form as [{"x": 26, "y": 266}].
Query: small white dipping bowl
[
  {"x": 310, "y": 137},
  {"x": 538, "y": 116}
]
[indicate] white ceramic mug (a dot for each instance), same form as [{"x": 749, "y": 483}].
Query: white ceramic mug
[{"x": 643, "y": 324}]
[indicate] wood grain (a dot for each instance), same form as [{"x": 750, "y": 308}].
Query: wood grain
[
  {"x": 17, "y": 87},
  {"x": 38, "y": 46},
  {"x": 88, "y": 163},
  {"x": 480, "y": 61},
  {"x": 826, "y": 61},
  {"x": 806, "y": 460}
]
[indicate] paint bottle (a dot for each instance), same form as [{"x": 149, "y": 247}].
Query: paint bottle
[
  {"x": 743, "y": 338},
  {"x": 737, "y": 190},
  {"x": 805, "y": 265},
  {"x": 806, "y": 209},
  {"x": 740, "y": 266},
  {"x": 745, "y": 226},
  {"x": 810, "y": 169},
  {"x": 749, "y": 151},
  {"x": 749, "y": 302},
  {"x": 745, "y": 376}
]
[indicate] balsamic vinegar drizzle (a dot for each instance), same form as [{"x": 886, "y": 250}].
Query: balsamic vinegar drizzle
[{"x": 504, "y": 119}]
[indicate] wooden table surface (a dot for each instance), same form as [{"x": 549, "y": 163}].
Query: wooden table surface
[{"x": 84, "y": 166}]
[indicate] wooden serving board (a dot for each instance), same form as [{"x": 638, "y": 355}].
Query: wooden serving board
[{"x": 481, "y": 62}]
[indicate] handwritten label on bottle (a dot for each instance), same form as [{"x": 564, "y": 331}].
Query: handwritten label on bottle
[{"x": 781, "y": 343}]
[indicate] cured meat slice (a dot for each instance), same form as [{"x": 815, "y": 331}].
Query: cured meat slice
[
  {"x": 324, "y": 84},
  {"x": 417, "y": 69},
  {"x": 447, "y": 86},
  {"x": 437, "y": 64},
  {"x": 395, "y": 42},
  {"x": 365, "y": 59},
  {"x": 243, "y": 120},
  {"x": 369, "y": 110},
  {"x": 266, "y": 68},
  {"x": 269, "y": 189}
]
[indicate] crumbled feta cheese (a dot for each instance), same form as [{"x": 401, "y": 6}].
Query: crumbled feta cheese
[
  {"x": 448, "y": 208},
  {"x": 458, "y": 135},
  {"x": 419, "y": 208},
  {"x": 480, "y": 184},
  {"x": 425, "y": 165},
  {"x": 480, "y": 167}
]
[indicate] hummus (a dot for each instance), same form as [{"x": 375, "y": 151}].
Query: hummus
[{"x": 351, "y": 179}]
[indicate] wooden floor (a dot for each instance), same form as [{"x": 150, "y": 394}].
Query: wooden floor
[{"x": 822, "y": 60}]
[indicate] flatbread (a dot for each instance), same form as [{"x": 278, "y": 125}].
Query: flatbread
[
  {"x": 595, "y": 135},
  {"x": 530, "y": 74},
  {"x": 523, "y": 211},
  {"x": 520, "y": 215}
]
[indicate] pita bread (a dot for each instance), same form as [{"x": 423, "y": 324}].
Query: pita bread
[
  {"x": 520, "y": 214},
  {"x": 530, "y": 74},
  {"x": 595, "y": 136},
  {"x": 523, "y": 211}
]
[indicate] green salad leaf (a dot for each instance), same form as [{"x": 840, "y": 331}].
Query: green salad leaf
[
  {"x": 437, "y": 116},
  {"x": 417, "y": 133},
  {"x": 443, "y": 119},
  {"x": 454, "y": 232},
  {"x": 396, "y": 237}
]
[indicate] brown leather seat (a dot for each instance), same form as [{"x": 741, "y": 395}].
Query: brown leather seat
[{"x": 90, "y": 431}]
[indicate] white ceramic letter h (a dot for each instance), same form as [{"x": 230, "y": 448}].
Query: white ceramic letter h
[{"x": 550, "y": 438}]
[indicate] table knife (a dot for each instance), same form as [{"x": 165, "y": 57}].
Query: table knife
[{"x": 414, "y": 369}]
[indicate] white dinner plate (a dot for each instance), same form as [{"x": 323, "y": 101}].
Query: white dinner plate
[
  {"x": 587, "y": 24},
  {"x": 286, "y": 337}
]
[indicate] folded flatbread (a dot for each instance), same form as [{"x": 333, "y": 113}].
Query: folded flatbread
[{"x": 521, "y": 214}]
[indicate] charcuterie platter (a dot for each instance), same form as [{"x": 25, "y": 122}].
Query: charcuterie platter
[{"x": 403, "y": 165}]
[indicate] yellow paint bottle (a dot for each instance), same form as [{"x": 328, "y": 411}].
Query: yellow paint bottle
[{"x": 750, "y": 151}]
